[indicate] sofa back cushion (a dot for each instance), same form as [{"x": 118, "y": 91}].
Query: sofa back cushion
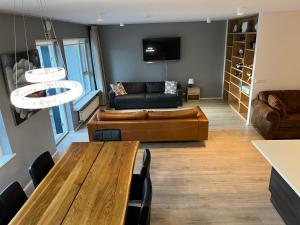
[
  {"x": 112, "y": 116},
  {"x": 176, "y": 114},
  {"x": 289, "y": 97},
  {"x": 155, "y": 87},
  {"x": 134, "y": 87},
  {"x": 278, "y": 104}
]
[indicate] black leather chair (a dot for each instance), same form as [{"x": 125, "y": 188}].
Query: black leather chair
[
  {"x": 40, "y": 168},
  {"x": 136, "y": 190},
  {"x": 107, "y": 135},
  {"x": 141, "y": 215},
  {"x": 11, "y": 200}
]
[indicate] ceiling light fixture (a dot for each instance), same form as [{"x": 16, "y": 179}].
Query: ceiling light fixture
[
  {"x": 208, "y": 20},
  {"x": 240, "y": 11},
  {"x": 43, "y": 78},
  {"x": 122, "y": 24}
]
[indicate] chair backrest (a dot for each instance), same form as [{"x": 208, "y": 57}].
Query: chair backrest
[
  {"x": 107, "y": 135},
  {"x": 40, "y": 168},
  {"x": 145, "y": 170},
  {"x": 145, "y": 211},
  {"x": 11, "y": 200}
]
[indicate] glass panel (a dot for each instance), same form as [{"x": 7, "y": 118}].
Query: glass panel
[{"x": 50, "y": 58}]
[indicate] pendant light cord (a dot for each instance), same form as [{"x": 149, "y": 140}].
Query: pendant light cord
[
  {"x": 25, "y": 34},
  {"x": 15, "y": 46}
]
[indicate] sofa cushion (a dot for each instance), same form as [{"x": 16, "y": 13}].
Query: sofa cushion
[
  {"x": 111, "y": 115},
  {"x": 118, "y": 89},
  {"x": 289, "y": 97},
  {"x": 278, "y": 104},
  {"x": 177, "y": 114},
  {"x": 292, "y": 120},
  {"x": 170, "y": 87},
  {"x": 155, "y": 87},
  {"x": 130, "y": 98},
  {"x": 134, "y": 87},
  {"x": 160, "y": 97}
]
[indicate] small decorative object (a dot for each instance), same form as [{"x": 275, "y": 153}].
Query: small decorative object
[
  {"x": 118, "y": 89},
  {"x": 249, "y": 74},
  {"x": 239, "y": 66},
  {"x": 241, "y": 51},
  {"x": 246, "y": 90},
  {"x": 191, "y": 82},
  {"x": 170, "y": 87},
  {"x": 235, "y": 28},
  {"x": 245, "y": 26},
  {"x": 252, "y": 43}
]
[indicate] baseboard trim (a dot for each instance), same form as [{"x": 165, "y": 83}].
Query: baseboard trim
[{"x": 217, "y": 98}]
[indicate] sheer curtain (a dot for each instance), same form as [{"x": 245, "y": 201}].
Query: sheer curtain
[{"x": 98, "y": 62}]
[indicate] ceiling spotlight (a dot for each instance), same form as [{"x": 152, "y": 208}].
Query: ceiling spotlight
[
  {"x": 122, "y": 24},
  {"x": 240, "y": 11},
  {"x": 208, "y": 20}
]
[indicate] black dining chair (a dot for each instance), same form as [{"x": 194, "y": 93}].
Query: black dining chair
[
  {"x": 137, "y": 180},
  {"x": 40, "y": 168},
  {"x": 107, "y": 135},
  {"x": 12, "y": 199},
  {"x": 140, "y": 215}
]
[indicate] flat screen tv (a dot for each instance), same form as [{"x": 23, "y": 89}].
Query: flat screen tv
[{"x": 159, "y": 49}]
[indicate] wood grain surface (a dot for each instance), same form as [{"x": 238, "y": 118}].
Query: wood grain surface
[{"x": 76, "y": 178}]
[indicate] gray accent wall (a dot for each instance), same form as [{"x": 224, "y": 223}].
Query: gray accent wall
[
  {"x": 202, "y": 54},
  {"x": 33, "y": 136}
]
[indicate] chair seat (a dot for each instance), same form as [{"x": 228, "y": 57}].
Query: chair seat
[
  {"x": 292, "y": 120},
  {"x": 136, "y": 190},
  {"x": 160, "y": 97},
  {"x": 130, "y": 98},
  {"x": 132, "y": 217}
]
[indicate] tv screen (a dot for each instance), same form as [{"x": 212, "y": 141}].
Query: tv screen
[{"x": 159, "y": 49}]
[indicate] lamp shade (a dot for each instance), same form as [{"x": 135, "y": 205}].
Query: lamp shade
[{"x": 191, "y": 81}]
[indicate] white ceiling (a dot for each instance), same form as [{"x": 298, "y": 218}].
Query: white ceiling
[{"x": 144, "y": 11}]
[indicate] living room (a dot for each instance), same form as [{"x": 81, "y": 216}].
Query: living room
[{"x": 126, "y": 112}]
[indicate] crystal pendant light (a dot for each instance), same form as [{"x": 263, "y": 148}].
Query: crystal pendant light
[{"x": 43, "y": 79}]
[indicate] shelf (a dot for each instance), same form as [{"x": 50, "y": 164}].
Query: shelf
[
  {"x": 240, "y": 42},
  {"x": 248, "y": 67},
  {"x": 240, "y": 33},
  {"x": 244, "y": 104},
  {"x": 236, "y": 77},
  {"x": 237, "y": 69},
  {"x": 228, "y": 60},
  {"x": 237, "y": 86},
  {"x": 238, "y": 57},
  {"x": 229, "y": 46},
  {"x": 235, "y": 105},
  {"x": 249, "y": 49},
  {"x": 234, "y": 95}
]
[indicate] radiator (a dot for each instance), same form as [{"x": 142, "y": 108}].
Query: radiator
[{"x": 87, "y": 111}]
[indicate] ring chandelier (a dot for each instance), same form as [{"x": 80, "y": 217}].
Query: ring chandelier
[{"x": 43, "y": 79}]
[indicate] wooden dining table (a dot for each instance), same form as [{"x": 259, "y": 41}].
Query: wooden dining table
[{"x": 89, "y": 184}]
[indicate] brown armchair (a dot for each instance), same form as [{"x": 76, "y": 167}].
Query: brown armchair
[{"x": 269, "y": 122}]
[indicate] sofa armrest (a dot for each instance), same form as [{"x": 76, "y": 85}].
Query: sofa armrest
[
  {"x": 111, "y": 98},
  {"x": 265, "y": 118},
  {"x": 179, "y": 94}
]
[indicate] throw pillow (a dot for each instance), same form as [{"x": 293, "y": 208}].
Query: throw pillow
[
  {"x": 278, "y": 104},
  {"x": 118, "y": 89},
  {"x": 170, "y": 87}
]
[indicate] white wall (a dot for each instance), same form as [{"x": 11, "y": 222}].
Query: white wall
[{"x": 278, "y": 52}]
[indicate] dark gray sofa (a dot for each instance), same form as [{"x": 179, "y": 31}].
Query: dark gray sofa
[{"x": 145, "y": 95}]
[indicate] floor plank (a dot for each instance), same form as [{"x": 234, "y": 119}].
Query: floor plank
[{"x": 221, "y": 181}]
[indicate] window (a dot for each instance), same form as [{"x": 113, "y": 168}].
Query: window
[
  {"x": 50, "y": 56},
  {"x": 5, "y": 149},
  {"x": 79, "y": 64}
]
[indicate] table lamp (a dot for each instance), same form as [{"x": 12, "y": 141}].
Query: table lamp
[{"x": 191, "y": 82}]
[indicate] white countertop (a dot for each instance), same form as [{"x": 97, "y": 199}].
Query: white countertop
[{"x": 284, "y": 156}]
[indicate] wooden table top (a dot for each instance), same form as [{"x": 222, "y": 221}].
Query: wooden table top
[{"x": 89, "y": 185}]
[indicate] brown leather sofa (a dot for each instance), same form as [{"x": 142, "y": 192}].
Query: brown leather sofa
[
  {"x": 270, "y": 123},
  {"x": 153, "y": 126}
]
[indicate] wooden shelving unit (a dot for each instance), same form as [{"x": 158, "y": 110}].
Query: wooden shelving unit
[{"x": 240, "y": 52}]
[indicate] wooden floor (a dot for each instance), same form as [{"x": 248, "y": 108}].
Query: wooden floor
[{"x": 221, "y": 181}]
